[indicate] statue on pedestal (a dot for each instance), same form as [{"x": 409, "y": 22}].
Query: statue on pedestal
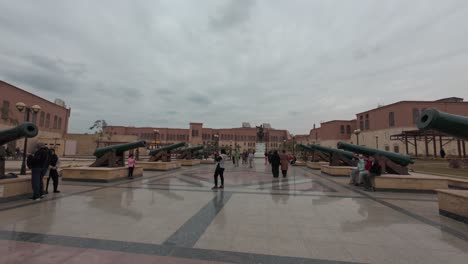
[{"x": 260, "y": 133}]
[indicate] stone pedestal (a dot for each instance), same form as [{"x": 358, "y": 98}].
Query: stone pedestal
[
  {"x": 159, "y": 165},
  {"x": 99, "y": 174},
  {"x": 337, "y": 170},
  {"x": 208, "y": 161},
  {"x": 193, "y": 162},
  {"x": 316, "y": 165},
  {"x": 412, "y": 182},
  {"x": 300, "y": 163},
  {"x": 15, "y": 187},
  {"x": 453, "y": 204},
  {"x": 260, "y": 149}
]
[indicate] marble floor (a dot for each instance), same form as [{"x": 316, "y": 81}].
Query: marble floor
[{"x": 175, "y": 217}]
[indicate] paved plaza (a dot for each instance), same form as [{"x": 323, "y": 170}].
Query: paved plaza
[{"x": 175, "y": 217}]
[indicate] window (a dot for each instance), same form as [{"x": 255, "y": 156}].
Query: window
[
  {"x": 60, "y": 123},
  {"x": 194, "y": 133},
  {"x": 55, "y": 122},
  {"x": 396, "y": 149},
  {"x": 342, "y": 129},
  {"x": 361, "y": 125},
  {"x": 348, "y": 129},
  {"x": 391, "y": 119},
  {"x": 47, "y": 121},
  {"x": 41, "y": 119},
  {"x": 387, "y": 148},
  {"x": 367, "y": 124},
  {"x": 5, "y": 109},
  {"x": 415, "y": 115}
]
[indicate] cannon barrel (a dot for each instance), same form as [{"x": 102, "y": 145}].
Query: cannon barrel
[
  {"x": 27, "y": 130},
  {"x": 99, "y": 152},
  {"x": 395, "y": 157},
  {"x": 326, "y": 150},
  {"x": 453, "y": 125},
  {"x": 192, "y": 149},
  {"x": 169, "y": 147}
]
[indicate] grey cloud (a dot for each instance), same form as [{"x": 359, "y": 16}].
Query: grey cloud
[
  {"x": 199, "y": 99},
  {"x": 234, "y": 13}
]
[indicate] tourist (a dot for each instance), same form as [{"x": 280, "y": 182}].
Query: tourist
[
  {"x": 275, "y": 163},
  {"x": 284, "y": 160},
  {"x": 236, "y": 158},
  {"x": 293, "y": 160},
  {"x": 131, "y": 165},
  {"x": 355, "y": 176},
  {"x": 251, "y": 158},
  {"x": 442, "y": 153},
  {"x": 266, "y": 157},
  {"x": 38, "y": 162},
  {"x": 219, "y": 170},
  {"x": 53, "y": 173},
  {"x": 374, "y": 171}
]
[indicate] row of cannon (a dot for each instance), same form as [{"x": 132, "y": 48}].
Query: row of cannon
[{"x": 113, "y": 156}]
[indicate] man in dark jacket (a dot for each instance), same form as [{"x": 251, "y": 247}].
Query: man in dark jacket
[
  {"x": 275, "y": 163},
  {"x": 53, "y": 173},
  {"x": 40, "y": 163}
]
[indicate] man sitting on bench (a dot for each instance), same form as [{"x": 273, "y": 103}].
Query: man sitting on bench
[{"x": 374, "y": 170}]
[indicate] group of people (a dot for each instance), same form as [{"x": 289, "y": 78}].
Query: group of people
[
  {"x": 246, "y": 156},
  {"x": 278, "y": 161},
  {"x": 42, "y": 161},
  {"x": 367, "y": 168}
]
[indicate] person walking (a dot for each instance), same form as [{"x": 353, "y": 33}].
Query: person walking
[
  {"x": 266, "y": 157},
  {"x": 219, "y": 170},
  {"x": 236, "y": 158},
  {"x": 53, "y": 172},
  {"x": 251, "y": 157},
  {"x": 131, "y": 165},
  {"x": 275, "y": 163},
  {"x": 284, "y": 160},
  {"x": 39, "y": 163}
]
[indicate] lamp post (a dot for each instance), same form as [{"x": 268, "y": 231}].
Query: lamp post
[
  {"x": 216, "y": 142},
  {"x": 284, "y": 144},
  {"x": 156, "y": 135},
  {"x": 34, "y": 109},
  {"x": 376, "y": 142},
  {"x": 357, "y": 132},
  {"x": 294, "y": 146}
]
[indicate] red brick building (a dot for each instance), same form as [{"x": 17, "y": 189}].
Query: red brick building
[{"x": 52, "y": 120}]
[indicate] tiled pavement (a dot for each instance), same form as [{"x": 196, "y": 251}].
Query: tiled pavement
[{"x": 174, "y": 217}]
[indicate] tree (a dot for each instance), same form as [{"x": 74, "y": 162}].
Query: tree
[{"x": 98, "y": 128}]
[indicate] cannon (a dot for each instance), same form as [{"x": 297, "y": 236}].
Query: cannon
[
  {"x": 25, "y": 130},
  {"x": 336, "y": 157},
  {"x": 164, "y": 153},
  {"x": 450, "y": 124},
  {"x": 189, "y": 153},
  {"x": 391, "y": 162},
  {"x": 113, "y": 156},
  {"x": 316, "y": 155}
]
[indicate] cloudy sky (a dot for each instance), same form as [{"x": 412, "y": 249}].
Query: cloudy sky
[{"x": 221, "y": 62}]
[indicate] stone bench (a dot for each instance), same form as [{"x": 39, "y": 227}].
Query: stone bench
[
  {"x": 453, "y": 204},
  {"x": 337, "y": 170},
  {"x": 316, "y": 165},
  {"x": 418, "y": 182}
]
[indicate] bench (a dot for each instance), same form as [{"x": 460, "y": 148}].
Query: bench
[{"x": 453, "y": 204}]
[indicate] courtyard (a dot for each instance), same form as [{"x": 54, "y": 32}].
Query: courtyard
[{"x": 175, "y": 217}]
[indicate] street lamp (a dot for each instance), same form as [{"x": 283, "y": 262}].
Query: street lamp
[
  {"x": 156, "y": 134},
  {"x": 294, "y": 146},
  {"x": 357, "y": 132},
  {"x": 284, "y": 144},
  {"x": 376, "y": 142},
  {"x": 216, "y": 142},
  {"x": 34, "y": 109}
]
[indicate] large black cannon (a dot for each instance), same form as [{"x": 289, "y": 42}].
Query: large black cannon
[
  {"x": 336, "y": 157},
  {"x": 113, "y": 156},
  {"x": 164, "y": 153},
  {"x": 189, "y": 153},
  {"x": 309, "y": 153},
  {"x": 391, "y": 162},
  {"x": 450, "y": 124},
  {"x": 25, "y": 130}
]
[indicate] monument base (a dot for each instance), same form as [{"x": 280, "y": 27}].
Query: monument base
[
  {"x": 193, "y": 162},
  {"x": 15, "y": 186},
  {"x": 99, "y": 174},
  {"x": 159, "y": 165},
  {"x": 316, "y": 165},
  {"x": 337, "y": 170},
  {"x": 452, "y": 203},
  {"x": 260, "y": 149}
]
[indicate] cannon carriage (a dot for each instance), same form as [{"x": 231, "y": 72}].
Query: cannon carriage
[{"x": 113, "y": 156}]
